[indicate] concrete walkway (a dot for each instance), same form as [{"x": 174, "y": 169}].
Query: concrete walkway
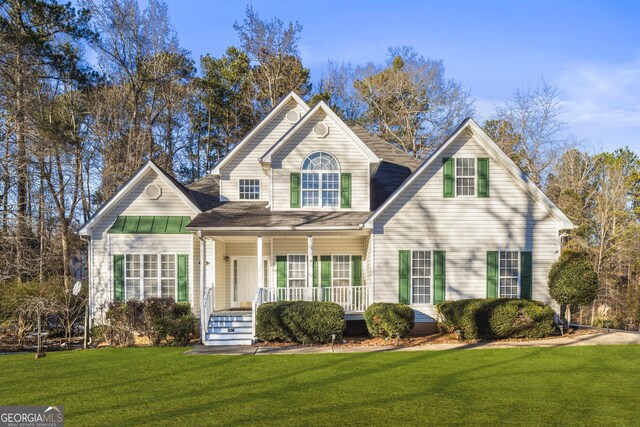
[{"x": 597, "y": 338}]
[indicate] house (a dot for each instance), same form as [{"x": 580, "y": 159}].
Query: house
[{"x": 307, "y": 207}]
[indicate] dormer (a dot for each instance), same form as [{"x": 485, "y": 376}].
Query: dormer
[{"x": 320, "y": 164}]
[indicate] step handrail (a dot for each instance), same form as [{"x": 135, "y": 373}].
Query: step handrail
[{"x": 206, "y": 312}]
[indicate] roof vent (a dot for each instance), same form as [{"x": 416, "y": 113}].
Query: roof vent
[
  {"x": 153, "y": 191},
  {"x": 321, "y": 130},
  {"x": 293, "y": 116}
]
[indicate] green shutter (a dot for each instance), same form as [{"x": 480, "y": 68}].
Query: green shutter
[
  {"x": 356, "y": 270},
  {"x": 183, "y": 278},
  {"x": 295, "y": 189},
  {"x": 404, "y": 260},
  {"x": 439, "y": 273},
  {"x": 325, "y": 277},
  {"x": 345, "y": 190},
  {"x": 448, "y": 178},
  {"x": 483, "y": 177},
  {"x": 492, "y": 274},
  {"x": 281, "y": 267},
  {"x": 315, "y": 271},
  {"x": 526, "y": 275},
  {"x": 325, "y": 271},
  {"x": 118, "y": 278}
]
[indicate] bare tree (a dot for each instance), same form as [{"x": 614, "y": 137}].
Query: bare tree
[{"x": 534, "y": 114}]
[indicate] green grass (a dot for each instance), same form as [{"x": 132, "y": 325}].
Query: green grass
[{"x": 132, "y": 386}]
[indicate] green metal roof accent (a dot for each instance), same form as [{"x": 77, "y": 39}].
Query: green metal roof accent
[{"x": 126, "y": 224}]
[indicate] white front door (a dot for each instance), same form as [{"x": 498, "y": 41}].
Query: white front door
[{"x": 244, "y": 280}]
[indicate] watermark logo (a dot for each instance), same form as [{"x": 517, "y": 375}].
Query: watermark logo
[{"x": 31, "y": 416}]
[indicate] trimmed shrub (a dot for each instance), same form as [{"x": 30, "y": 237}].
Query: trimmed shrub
[
  {"x": 306, "y": 322},
  {"x": 270, "y": 324},
  {"x": 389, "y": 320},
  {"x": 156, "y": 310},
  {"x": 498, "y": 318},
  {"x": 573, "y": 280},
  {"x": 123, "y": 319},
  {"x": 182, "y": 329}
]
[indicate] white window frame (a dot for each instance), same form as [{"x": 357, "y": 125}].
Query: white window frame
[
  {"x": 333, "y": 278},
  {"x": 139, "y": 278},
  {"x": 474, "y": 177},
  {"x": 320, "y": 191},
  {"x": 430, "y": 277},
  {"x": 289, "y": 279},
  {"x": 500, "y": 276},
  {"x": 240, "y": 193},
  {"x": 158, "y": 278}
]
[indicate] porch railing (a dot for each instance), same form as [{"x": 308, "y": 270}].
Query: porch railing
[
  {"x": 207, "y": 309},
  {"x": 350, "y": 298}
]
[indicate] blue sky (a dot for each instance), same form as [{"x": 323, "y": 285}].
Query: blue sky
[{"x": 589, "y": 49}]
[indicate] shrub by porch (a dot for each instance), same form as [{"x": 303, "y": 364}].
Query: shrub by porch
[
  {"x": 305, "y": 322},
  {"x": 389, "y": 320},
  {"x": 498, "y": 318}
]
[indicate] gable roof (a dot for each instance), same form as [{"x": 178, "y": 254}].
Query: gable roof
[
  {"x": 182, "y": 192},
  {"x": 274, "y": 111},
  {"x": 206, "y": 192},
  {"x": 522, "y": 179},
  {"x": 266, "y": 158}
]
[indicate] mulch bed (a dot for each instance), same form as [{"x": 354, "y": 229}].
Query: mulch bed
[{"x": 440, "y": 338}]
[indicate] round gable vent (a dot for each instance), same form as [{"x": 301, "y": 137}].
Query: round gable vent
[
  {"x": 153, "y": 191},
  {"x": 321, "y": 130},
  {"x": 293, "y": 116}
]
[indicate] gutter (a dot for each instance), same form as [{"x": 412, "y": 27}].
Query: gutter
[{"x": 280, "y": 228}]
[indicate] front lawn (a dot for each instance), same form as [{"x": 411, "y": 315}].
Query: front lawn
[{"x": 568, "y": 385}]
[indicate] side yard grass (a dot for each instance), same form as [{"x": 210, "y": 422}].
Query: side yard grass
[{"x": 161, "y": 386}]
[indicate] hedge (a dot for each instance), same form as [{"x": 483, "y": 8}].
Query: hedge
[
  {"x": 389, "y": 320},
  {"x": 305, "y": 322},
  {"x": 156, "y": 318},
  {"x": 498, "y": 318}
]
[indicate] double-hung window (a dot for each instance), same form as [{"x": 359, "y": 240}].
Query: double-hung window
[
  {"x": 465, "y": 176},
  {"x": 168, "y": 280},
  {"x": 297, "y": 276},
  {"x": 149, "y": 276},
  {"x": 421, "y": 277},
  {"x": 132, "y": 276},
  {"x": 341, "y": 270},
  {"x": 320, "y": 181},
  {"x": 249, "y": 189},
  {"x": 508, "y": 274}
]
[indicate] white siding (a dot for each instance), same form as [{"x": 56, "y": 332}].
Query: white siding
[
  {"x": 105, "y": 245},
  {"x": 245, "y": 164},
  {"x": 350, "y": 156},
  {"x": 466, "y": 228}
]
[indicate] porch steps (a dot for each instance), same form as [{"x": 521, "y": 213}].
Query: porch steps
[{"x": 229, "y": 329}]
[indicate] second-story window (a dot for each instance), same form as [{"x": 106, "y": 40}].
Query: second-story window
[
  {"x": 465, "y": 176},
  {"x": 320, "y": 181},
  {"x": 249, "y": 189}
]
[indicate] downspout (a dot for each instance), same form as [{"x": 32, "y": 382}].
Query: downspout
[
  {"x": 89, "y": 309},
  {"x": 203, "y": 270}
]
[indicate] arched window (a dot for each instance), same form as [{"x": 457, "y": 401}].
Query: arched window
[{"x": 320, "y": 180}]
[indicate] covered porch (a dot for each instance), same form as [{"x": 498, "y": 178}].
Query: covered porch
[{"x": 244, "y": 271}]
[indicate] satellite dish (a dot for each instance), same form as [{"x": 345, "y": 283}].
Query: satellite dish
[{"x": 77, "y": 287}]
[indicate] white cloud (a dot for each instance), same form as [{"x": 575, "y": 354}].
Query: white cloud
[{"x": 608, "y": 95}]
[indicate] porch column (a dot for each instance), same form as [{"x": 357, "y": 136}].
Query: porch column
[
  {"x": 310, "y": 268},
  {"x": 260, "y": 267}
]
